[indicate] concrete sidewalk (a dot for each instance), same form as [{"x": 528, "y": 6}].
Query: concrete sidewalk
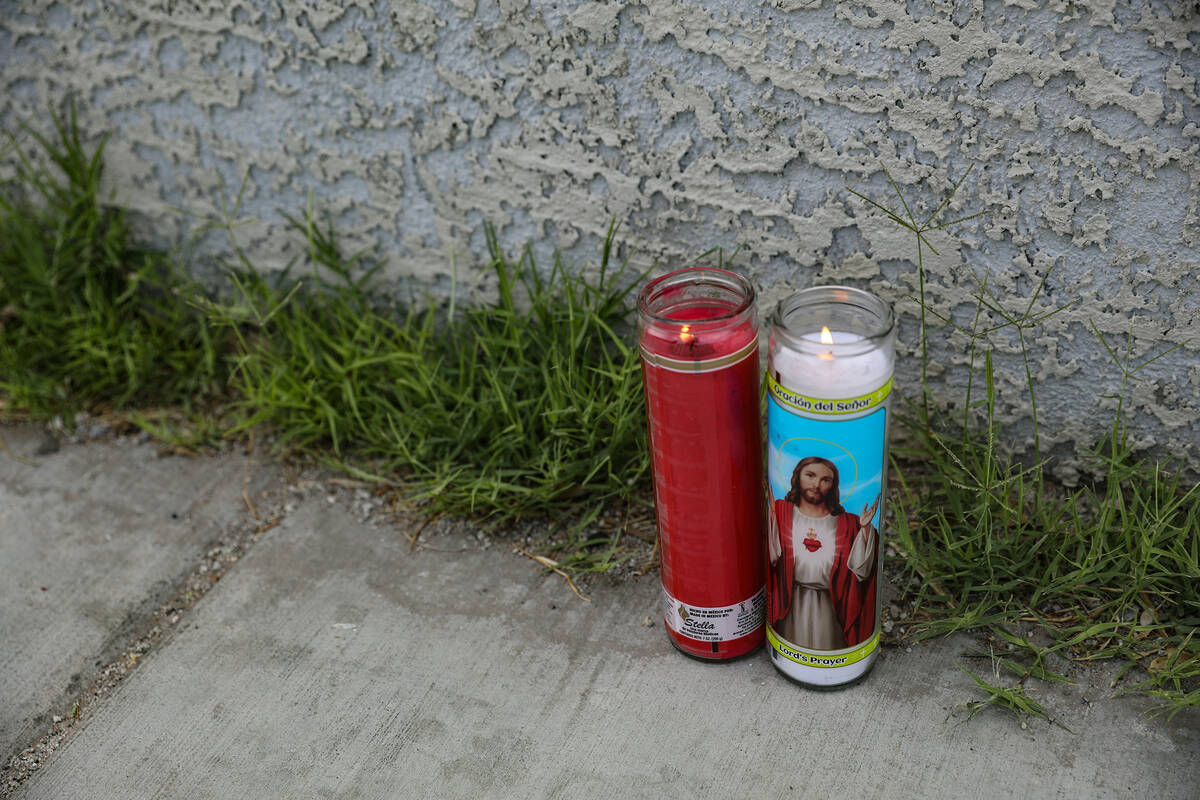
[
  {"x": 92, "y": 539},
  {"x": 332, "y": 662}
]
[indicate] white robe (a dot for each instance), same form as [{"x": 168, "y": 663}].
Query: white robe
[{"x": 811, "y": 623}]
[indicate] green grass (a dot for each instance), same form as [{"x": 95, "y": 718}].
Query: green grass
[
  {"x": 1174, "y": 679},
  {"x": 529, "y": 405},
  {"x": 1109, "y": 570},
  {"x": 1014, "y": 699},
  {"x": 88, "y": 320}
]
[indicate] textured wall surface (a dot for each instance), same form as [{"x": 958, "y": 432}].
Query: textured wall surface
[{"x": 695, "y": 124}]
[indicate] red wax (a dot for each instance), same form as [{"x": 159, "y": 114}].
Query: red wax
[{"x": 702, "y": 402}]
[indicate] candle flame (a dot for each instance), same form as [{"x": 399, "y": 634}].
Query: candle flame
[
  {"x": 826, "y": 338},
  {"x": 684, "y": 336}
]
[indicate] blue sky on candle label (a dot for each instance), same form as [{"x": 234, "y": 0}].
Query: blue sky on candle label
[{"x": 855, "y": 446}]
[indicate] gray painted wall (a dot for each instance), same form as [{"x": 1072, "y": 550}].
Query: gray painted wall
[{"x": 695, "y": 124}]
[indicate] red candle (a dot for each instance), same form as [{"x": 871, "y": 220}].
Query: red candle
[{"x": 699, "y": 342}]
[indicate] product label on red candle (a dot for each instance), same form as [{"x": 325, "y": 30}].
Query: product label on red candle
[
  {"x": 825, "y": 476},
  {"x": 715, "y": 624}
]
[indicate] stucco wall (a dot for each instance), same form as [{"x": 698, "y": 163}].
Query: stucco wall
[{"x": 695, "y": 124}]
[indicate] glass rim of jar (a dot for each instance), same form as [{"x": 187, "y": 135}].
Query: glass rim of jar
[
  {"x": 696, "y": 275},
  {"x": 835, "y": 295}
]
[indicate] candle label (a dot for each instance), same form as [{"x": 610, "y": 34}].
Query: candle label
[
  {"x": 803, "y": 404},
  {"x": 715, "y": 624},
  {"x": 825, "y": 476}
]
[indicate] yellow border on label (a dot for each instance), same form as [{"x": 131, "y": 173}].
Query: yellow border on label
[
  {"x": 809, "y": 658},
  {"x": 794, "y": 401}
]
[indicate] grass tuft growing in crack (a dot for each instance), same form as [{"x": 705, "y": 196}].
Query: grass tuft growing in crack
[
  {"x": 88, "y": 320},
  {"x": 1174, "y": 679},
  {"x": 1014, "y": 699}
]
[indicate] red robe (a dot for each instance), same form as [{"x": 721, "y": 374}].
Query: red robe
[{"x": 853, "y": 599}]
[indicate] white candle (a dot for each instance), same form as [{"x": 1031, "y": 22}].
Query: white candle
[
  {"x": 830, "y": 363},
  {"x": 846, "y": 367}
]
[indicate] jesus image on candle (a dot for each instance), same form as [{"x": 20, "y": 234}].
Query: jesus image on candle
[{"x": 821, "y": 584}]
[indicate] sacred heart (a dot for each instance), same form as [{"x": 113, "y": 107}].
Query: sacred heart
[{"x": 813, "y": 545}]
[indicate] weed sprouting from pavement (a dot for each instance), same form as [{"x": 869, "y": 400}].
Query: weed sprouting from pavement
[
  {"x": 1014, "y": 699},
  {"x": 1171, "y": 673}
]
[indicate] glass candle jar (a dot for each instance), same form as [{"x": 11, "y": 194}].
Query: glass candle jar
[
  {"x": 699, "y": 343},
  {"x": 831, "y": 356}
]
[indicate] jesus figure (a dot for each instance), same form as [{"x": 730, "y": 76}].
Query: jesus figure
[{"x": 821, "y": 583}]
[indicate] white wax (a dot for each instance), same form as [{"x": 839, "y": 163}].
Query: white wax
[{"x": 829, "y": 373}]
